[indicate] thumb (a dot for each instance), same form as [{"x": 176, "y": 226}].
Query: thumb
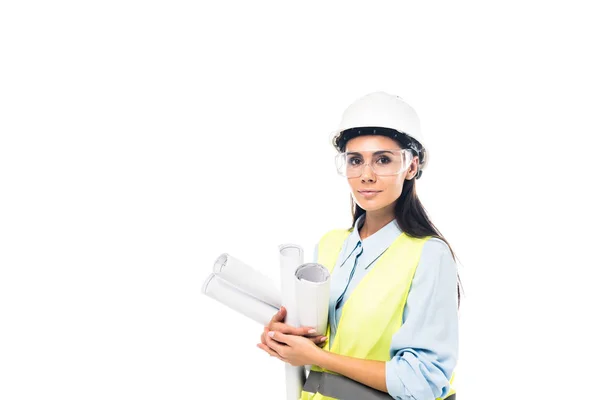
[
  {"x": 277, "y": 317},
  {"x": 281, "y": 314}
]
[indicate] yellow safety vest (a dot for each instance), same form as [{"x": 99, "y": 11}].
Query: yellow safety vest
[{"x": 371, "y": 315}]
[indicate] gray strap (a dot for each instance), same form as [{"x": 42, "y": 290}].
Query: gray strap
[{"x": 343, "y": 388}]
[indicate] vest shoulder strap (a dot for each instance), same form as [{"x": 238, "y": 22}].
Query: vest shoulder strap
[{"x": 330, "y": 246}]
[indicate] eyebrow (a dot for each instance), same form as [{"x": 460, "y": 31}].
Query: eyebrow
[{"x": 374, "y": 153}]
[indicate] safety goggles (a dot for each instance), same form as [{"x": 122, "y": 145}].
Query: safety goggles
[{"x": 383, "y": 162}]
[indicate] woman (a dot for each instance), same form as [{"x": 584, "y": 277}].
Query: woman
[{"x": 393, "y": 311}]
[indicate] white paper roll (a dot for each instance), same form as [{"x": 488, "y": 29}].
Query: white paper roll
[
  {"x": 312, "y": 282},
  {"x": 291, "y": 257},
  {"x": 243, "y": 303},
  {"x": 247, "y": 279}
]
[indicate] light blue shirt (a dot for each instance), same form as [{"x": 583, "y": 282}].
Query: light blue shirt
[{"x": 424, "y": 351}]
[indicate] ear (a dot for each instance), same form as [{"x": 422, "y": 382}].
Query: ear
[{"x": 413, "y": 169}]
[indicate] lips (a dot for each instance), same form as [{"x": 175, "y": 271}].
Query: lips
[{"x": 369, "y": 193}]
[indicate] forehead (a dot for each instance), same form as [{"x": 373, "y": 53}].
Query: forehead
[{"x": 371, "y": 142}]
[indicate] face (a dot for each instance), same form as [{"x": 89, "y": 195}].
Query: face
[{"x": 388, "y": 188}]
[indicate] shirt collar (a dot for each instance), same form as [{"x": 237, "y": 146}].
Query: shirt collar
[{"x": 374, "y": 245}]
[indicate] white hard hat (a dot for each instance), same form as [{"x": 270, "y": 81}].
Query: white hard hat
[{"x": 381, "y": 110}]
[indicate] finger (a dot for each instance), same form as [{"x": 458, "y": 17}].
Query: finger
[
  {"x": 291, "y": 330},
  {"x": 319, "y": 340},
  {"x": 271, "y": 352},
  {"x": 279, "y": 315},
  {"x": 263, "y": 337},
  {"x": 279, "y": 337},
  {"x": 311, "y": 332},
  {"x": 274, "y": 345}
]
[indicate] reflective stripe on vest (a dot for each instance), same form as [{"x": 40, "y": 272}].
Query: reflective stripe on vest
[
  {"x": 340, "y": 387},
  {"x": 371, "y": 315}
]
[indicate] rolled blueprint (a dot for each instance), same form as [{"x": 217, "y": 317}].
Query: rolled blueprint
[
  {"x": 247, "y": 279},
  {"x": 312, "y": 282},
  {"x": 243, "y": 303},
  {"x": 291, "y": 257}
]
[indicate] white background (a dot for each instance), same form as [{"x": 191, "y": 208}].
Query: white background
[{"x": 140, "y": 140}]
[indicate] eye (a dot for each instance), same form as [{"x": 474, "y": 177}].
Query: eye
[
  {"x": 384, "y": 159},
  {"x": 354, "y": 160}
]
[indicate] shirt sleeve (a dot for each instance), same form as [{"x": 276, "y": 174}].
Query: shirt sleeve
[{"x": 424, "y": 350}]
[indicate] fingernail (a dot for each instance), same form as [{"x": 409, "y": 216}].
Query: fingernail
[
  {"x": 312, "y": 331},
  {"x": 271, "y": 333},
  {"x": 323, "y": 339}
]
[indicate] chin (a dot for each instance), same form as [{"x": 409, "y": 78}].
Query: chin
[
  {"x": 369, "y": 206},
  {"x": 372, "y": 205}
]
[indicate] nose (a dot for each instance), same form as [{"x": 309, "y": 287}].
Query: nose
[{"x": 370, "y": 175}]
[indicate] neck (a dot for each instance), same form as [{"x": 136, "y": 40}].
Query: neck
[{"x": 374, "y": 221}]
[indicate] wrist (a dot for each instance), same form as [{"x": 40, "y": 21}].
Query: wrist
[{"x": 321, "y": 358}]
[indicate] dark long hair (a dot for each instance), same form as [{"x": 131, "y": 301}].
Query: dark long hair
[{"x": 410, "y": 214}]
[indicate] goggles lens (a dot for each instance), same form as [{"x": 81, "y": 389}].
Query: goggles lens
[{"x": 383, "y": 162}]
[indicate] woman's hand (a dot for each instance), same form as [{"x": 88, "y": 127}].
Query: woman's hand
[
  {"x": 294, "y": 350},
  {"x": 277, "y": 325}
]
